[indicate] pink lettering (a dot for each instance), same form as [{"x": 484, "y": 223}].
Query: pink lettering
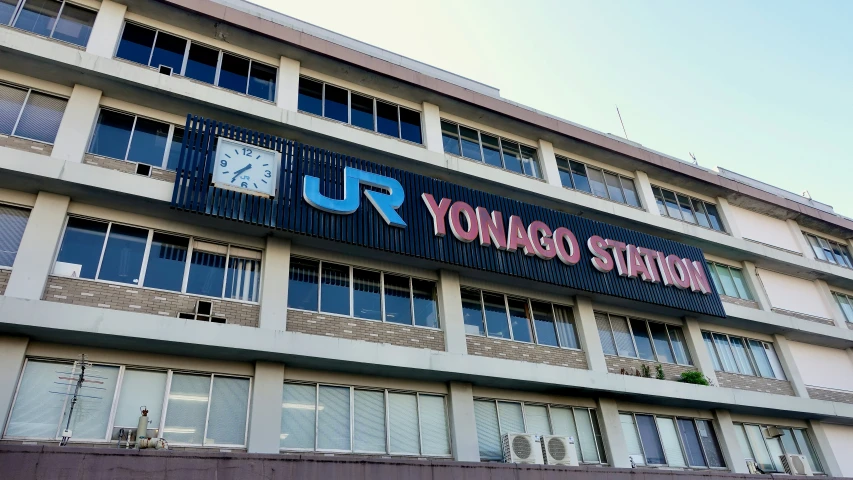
[
  {"x": 636, "y": 265},
  {"x": 456, "y": 211},
  {"x": 517, "y": 237},
  {"x": 602, "y": 261},
  {"x": 491, "y": 228},
  {"x": 438, "y": 212},
  {"x": 543, "y": 245},
  {"x": 678, "y": 270},
  {"x": 618, "y": 248},
  {"x": 648, "y": 257},
  {"x": 563, "y": 237},
  {"x": 698, "y": 279}
]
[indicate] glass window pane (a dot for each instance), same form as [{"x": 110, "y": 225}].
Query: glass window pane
[
  {"x": 519, "y": 317},
  {"x": 491, "y": 150},
  {"x": 632, "y": 438},
  {"x": 41, "y": 117},
  {"x": 671, "y": 444},
  {"x": 661, "y": 341},
  {"x": 614, "y": 188},
  {"x": 727, "y": 358},
  {"x": 761, "y": 361},
  {"x": 676, "y": 335},
  {"x": 496, "y": 320},
  {"x": 774, "y": 361},
  {"x": 470, "y": 143},
  {"x": 566, "y": 327},
  {"x": 38, "y": 16},
  {"x": 775, "y": 448},
  {"x": 175, "y": 146},
  {"x": 563, "y": 422},
  {"x": 740, "y": 284},
  {"x": 398, "y": 306},
  {"x": 579, "y": 177},
  {"x": 140, "y": 388},
  {"x": 201, "y": 63},
  {"x": 816, "y": 248},
  {"x": 362, "y": 111},
  {"x": 7, "y": 9},
  {"x": 472, "y": 312},
  {"x": 846, "y": 305},
  {"x": 659, "y": 199},
  {"x": 166, "y": 262},
  {"x": 450, "y": 137},
  {"x": 369, "y": 421},
  {"x": 759, "y": 449},
  {"x": 605, "y": 334},
  {"x": 207, "y": 272},
  {"x": 334, "y": 289},
  {"x": 434, "y": 434},
  {"x": 630, "y": 190},
  {"x": 672, "y": 208},
  {"x": 112, "y": 134},
  {"x": 543, "y": 322},
  {"x": 701, "y": 214},
  {"x": 709, "y": 441},
  {"x": 512, "y": 420},
  {"x": 651, "y": 441},
  {"x": 624, "y": 343},
  {"x": 333, "y": 419},
  {"x": 13, "y": 221},
  {"x": 123, "y": 254},
  {"x": 302, "y": 287},
  {"x": 714, "y": 217},
  {"x": 690, "y": 439},
  {"x": 565, "y": 172},
  {"x": 488, "y": 431},
  {"x": 386, "y": 119},
  {"x": 335, "y": 103},
  {"x": 740, "y": 433},
  {"x": 709, "y": 345},
  {"x": 91, "y": 414},
  {"x": 148, "y": 144},
  {"x": 74, "y": 25},
  {"x": 298, "y": 411},
  {"x": 686, "y": 211},
  {"x": 243, "y": 281},
  {"x": 310, "y": 96},
  {"x": 11, "y": 102},
  {"x": 726, "y": 281},
  {"x": 187, "y": 409},
  {"x": 366, "y": 294},
  {"x": 596, "y": 181},
  {"x": 425, "y": 303},
  {"x": 410, "y": 125},
  {"x": 715, "y": 278},
  {"x": 742, "y": 356},
  {"x": 81, "y": 248},
  {"x": 229, "y": 404},
  {"x": 234, "y": 73},
  {"x": 599, "y": 438},
  {"x": 530, "y": 162},
  {"x": 136, "y": 43},
  {"x": 788, "y": 442},
  {"x": 807, "y": 450},
  {"x": 536, "y": 420},
  {"x": 586, "y": 436},
  {"x": 403, "y": 422},
  {"x": 169, "y": 50},
  {"x": 262, "y": 81},
  {"x": 37, "y": 410},
  {"x": 512, "y": 157},
  {"x": 641, "y": 338}
]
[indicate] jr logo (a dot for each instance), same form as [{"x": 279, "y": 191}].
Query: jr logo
[{"x": 385, "y": 203}]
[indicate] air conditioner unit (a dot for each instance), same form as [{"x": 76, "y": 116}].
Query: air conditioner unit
[
  {"x": 772, "y": 432},
  {"x": 559, "y": 450},
  {"x": 521, "y": 448},
  {"x": 796, "y": 465},
  {"x": 752, "y": 467}
]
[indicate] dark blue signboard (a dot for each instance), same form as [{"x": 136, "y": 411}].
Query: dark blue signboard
[{"x": 401, "y": 220}]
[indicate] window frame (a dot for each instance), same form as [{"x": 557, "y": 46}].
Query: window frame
[
  {"x": 19, "y": 7},
  {"x": 826, "y": 247},
  {"x": 586, "y": 167},
  {"x": 849, "y": 298},
  {"x": 669, "y": 336},
  {"x": 675, "y": 419},
  {"x": 750, "y": 356},
  {"x": 715, "y": 275},
  {"x": 169, "y": 138},
  {"x": 30, "y": 90},
  {"x": 762, "y": 427},
  {"x": 29, "y": 210},
  {"x": 657, "y": 192},
  {"x": 501, "y": 139}
]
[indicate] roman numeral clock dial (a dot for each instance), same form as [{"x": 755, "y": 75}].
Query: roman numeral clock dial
[{"x": 245, "y": 168}]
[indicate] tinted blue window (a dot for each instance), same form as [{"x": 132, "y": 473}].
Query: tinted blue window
[
  {"x": 262, "y": 81},
  {"x": 201, "y": 63},
  {"x": 207, "y": 272},
  {"x": 310, "y": 96},
  {"x": 123, "y": 254},
  {"x": 641, "y": 338},
  {"x": 82, "y": 245},
  {"x": 450, "y": 137},
  {"x": 38, "y": 16},
  {"x": 425, "y": 306},
  {"x": 149, "y": 142},
  {"x": 334, "y": 296},
  {"x": 398, "y": 305},
  {"x": 520, "y": 319},
  {"x": 112, "y": 134},
  {"x": 335, "y": 104},
  {"x": 496, "y": 321},
  {"x": 175, "y": 148},
  {"x": 580, "y": 178},
  {"x": 472, "y": 312},
  {"x": 169, "y": 50},
  {"x": 367, "y": 294},
  {"x": 410, "y": 125},
  {"x": 543, "y": 320},
  {"x": 234, "y": 73},
  {"x": 651, "y": 441},
  {"x": 74, "y": 25},
  {"x": 7, "y": 9},
  {"x": 716, "y": 223},
  {"x": 386, "y": 119},
  {"x": 136, "y": 43},
  {"x": 470, "y": 143},
  {"x": 491, "y": 150},
  {"x": 512, "y": 158},
  {"x": 302, "y": 287},
  {"x": 362, "y": 111},
  {"x": 244, "y": 279},
  {"x": 166, "y": 262}
]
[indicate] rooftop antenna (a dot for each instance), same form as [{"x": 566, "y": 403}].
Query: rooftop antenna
[
  {"x": 694, "y": 158},
  {"x": 75, "y": 382},
  {"x": 623, "y": 123}
]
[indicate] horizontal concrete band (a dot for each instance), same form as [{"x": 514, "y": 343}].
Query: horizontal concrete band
[{"x": 88, "y": 326}]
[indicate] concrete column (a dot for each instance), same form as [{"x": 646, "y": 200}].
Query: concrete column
[
  {"x": 727, "y": 216},
  {"x": 463, "y": 425},
  {"x": 450, "y": 312},
  {"x": 647, "y": 196},
  {"x": 588, "y": 334},
  {"x": 274, "y": 282},
  {"x": 38, "y": 246},
  {"x": 611, "y": 432},
  {"x": 729, "y": 443},
  {"x": 265, "y": 419},
  {"x": 831, "y": 304},
  {"x": 12, "y": 354},
  {"x": 287, "y": 85},
  {"x": 850, "y": 354},
  {"x": 76, "y": 126},
  {"x": 105, "y": 34},
  {"x": 548, "y": 160},
  {"x": 432, "y": 128},
  {"x": 797, "y": 233},
  {"x": 698, "y": 352},
  {"x": 824, "y": 449},
  {"x": 755, "y": 286},
  {"x": 789, "y": 365}
]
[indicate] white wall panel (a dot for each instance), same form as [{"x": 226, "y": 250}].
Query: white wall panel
[
  {"x": 823, "y": 366},
  {"x": 841, "y": 439},
  {"x": 794, "y": 294},
  {"x": 764, "y": 229}
]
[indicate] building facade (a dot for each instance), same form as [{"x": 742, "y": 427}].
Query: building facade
[{"x": 280, "y": 240}]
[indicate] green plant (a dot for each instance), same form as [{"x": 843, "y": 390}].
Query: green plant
[
  {"x": 695, "y": 377},
  {"x": 647, "y": 372},
  {"x": 660, "y": 374}
]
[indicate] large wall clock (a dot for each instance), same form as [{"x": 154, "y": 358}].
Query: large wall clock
[{"x": 245, "y": 168}]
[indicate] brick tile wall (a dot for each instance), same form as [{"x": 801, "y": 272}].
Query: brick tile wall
[
  {"x": 131, "y": 298},
  {"x": 127, "y": 167},
  {"x": 739, "y": 301},
  {"x": 803, "y": 316},
  {"x": 525, "y": 352},
  {"x": 26, "y": 145},
  {"x": 830, "y": 395},
  {"x": 367, "y": 330},
  {"x": 4, "y": 280},
  {"x": 756, "y": 384},
  {"x": 672, "y": 372}
]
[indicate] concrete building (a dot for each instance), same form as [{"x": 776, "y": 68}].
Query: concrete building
[{"x": 181, "y": 202}]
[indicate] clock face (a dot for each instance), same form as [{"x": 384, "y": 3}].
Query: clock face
[{"x": 245, "y": 168}]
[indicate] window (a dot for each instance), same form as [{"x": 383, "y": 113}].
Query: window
[
  {"x": 521, "y": 319},
  {"x": 13, "y": 221},
  {"x": 729, "y": 281},
  {"x": 199, "y": 409},
  {"x": 133, "y": 138},
  {"x": 361, "y": 293},
  {"x": 156, "y": 48},
  {"x": 139, "y": 256},
  {"x": 635, "y": 338},
  {"x": 331, "y": 418},
  {"x": 50, "y": 18},
  {"x": 495, "y": 418},
  {"x": 845, "y": 303},
  {"x": 741, "y": 355},
  {"x": 829, "y": 251},
  {"x": 29, "y": 114},
  {"x": 671, "y": 441},
  {"x": 362, "y": 111},
  {"x": 601, "y": 183},
  {"x": 687, "y": 209},
  {"x": 765, "y": 452},
  {"x": 497, "y": 152}
]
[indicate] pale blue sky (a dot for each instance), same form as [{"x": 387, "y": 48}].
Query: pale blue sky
[{"x": 764, "y": 88}]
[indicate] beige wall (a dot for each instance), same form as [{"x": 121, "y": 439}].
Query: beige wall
[
  {"x": 794, "y": 294},
  {"x": 841, "y": 439},
  {"x": 764, "y": 229},
  {"x": 823, "y": 366}
]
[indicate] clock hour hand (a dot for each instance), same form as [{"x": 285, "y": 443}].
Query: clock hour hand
[{"x": 238, "y": 172}]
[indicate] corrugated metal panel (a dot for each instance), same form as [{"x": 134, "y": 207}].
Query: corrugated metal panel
[{"x": 366, "y": 228}]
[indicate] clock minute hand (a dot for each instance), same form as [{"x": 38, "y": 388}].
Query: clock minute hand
[{"x": 238, "y": 172}]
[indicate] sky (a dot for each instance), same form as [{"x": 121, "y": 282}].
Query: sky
[{"x": 760, "y": 87}]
